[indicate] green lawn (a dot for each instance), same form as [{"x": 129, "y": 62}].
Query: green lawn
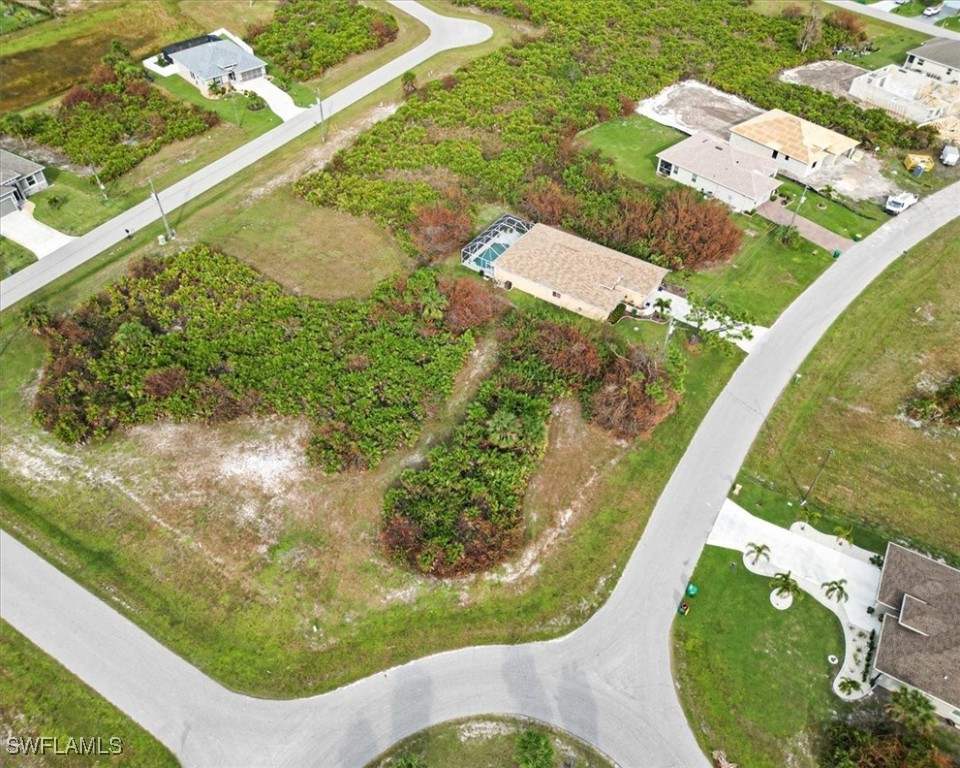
[
  {"x": 885, "y": 474},
  {"x": 911, "y": 8},
  {"x": 633, "y": 143},
  {"x": 754, "y": 681},
  {"x": 835, "y": 216},
  {"x": 232, "y": 109},
  {"x": 485, "y": 742},
  {"x": 74, "y": 205},
  {"x": 14, "y": 16},
  {"x": 38, "y": 697},
  {"x": 764, "y": 277},
  {"x": 952, "y": 23},
  {"x": 13, "y": 257}
]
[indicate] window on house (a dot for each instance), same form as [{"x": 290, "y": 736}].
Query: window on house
[
  {"x": 920, "y": 62},
  {"x": 814, "y": 164},
  {"x": 31, "y": 180},
  {"x": 556, "y": 295},
  {"x": 786, "y": 158},
  {"x": 775, "y": 154},
  {"x": 693, "y": 178}
]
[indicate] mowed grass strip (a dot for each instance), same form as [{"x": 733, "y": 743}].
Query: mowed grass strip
[
  {"x": 487, "y": 741},
  {"x": 13, "y": 257},
  {"x": 900, "y": 335},
  {"x": 754, "y": 681},
  {"x": 38, "y": 697}
]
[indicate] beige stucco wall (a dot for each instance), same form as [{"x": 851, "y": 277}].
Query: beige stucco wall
[
  {"x": 541, "y": 292},
  {"x": 791, "y": 167}
]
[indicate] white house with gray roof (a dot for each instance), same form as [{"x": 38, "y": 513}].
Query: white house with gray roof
[
  {"x": 217, "y": 63},
  {"x": 19, "y": 178},
  {"x": 743, "y": 180},
  {"x": 939, "y": 59}
]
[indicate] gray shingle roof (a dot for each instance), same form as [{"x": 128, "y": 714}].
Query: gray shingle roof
[
  {"x": 217, "y": 59},
  {"x": 942, "y": 51},
  {"x": 13, "y": 166},
  {"x": 922, "y": 648},
  {"x": 745, "y": 172}
]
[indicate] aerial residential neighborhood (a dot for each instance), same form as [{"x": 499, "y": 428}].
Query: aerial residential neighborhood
[{"x": 471, "y": 383}]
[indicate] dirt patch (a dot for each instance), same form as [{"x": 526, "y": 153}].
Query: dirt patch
[
  {"x": 828, "y": 76},
  {"x": 691, "y": 106},
  {"x": 856, "y": 179}
]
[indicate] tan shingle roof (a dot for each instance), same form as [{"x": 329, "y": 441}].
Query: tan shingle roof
[
  {"x": 578, "y": 268},
  {"x": 923, "y": 647},
  {"x": 793, "y": 136},
  {"x": 714, "y": 159}
]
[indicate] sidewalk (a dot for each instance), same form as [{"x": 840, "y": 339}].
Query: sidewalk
[
  {"x": 773, "y": 211},
  {"x": 680, "y": 311}
]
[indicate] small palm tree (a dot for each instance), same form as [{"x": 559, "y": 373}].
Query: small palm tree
[
  {"x": 810, "y": 516},
  {"x": 662, "y": 306},
  {"x": 756, "y": 551},
  {"x": 784, "y": 585},
  {"x": 844, "y": 534},
  {"x": 848, "y": 685},
  {"x": 503, "y": 429},
  {"x": 836, "y": 589},
  {"x": 912, "y": 710},
  {"x": 409, "y": 760}
]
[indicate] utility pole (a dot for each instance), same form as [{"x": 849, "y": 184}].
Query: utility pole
[
  {"x": 803, "y": 196},
  {"x": 103, "y": 189},
  {"x": 803, "y": 501},
  {"x": 666, "y": 340},
  {"x": 323, "y": 125},
  {"x": 166, "y": 224}
]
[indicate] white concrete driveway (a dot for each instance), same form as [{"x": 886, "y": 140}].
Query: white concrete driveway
[
  {"x": 278, "y": 100},
  {"x": 813, "y": 558},
  {"x": 33, "y": 235}
]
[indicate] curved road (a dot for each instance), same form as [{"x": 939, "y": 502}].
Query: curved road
[
  {"x": 445, "y": 33},
  {"x": 609, "y": 682}
]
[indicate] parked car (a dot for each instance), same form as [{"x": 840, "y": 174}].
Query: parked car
[
  {"x": 933, "y": 10},
  {"x": 950, "y": 155},
  {"x": 899, "y": 203}
]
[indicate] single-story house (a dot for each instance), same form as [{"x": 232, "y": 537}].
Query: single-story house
[
  {"x": 907, "y": 94},
  {"x": 19, "y": 178},
  {"x": 938, "y": 58},
  {"x": 743, "y": 180},
  {"x": 919, "y": 643},
  {"x": 563, "y": 269},
  {"x": 216, "y": 63},
  {"x": 799, "y": 146}
]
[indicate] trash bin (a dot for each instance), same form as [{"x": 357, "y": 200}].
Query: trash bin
[
  {"x": 692, "y": 589},
  {"x": 836, "y": 254},
  {"x": 857, "y": 238}
]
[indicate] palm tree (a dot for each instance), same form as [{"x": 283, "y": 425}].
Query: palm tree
[
  {"x": 503, "y": 429},
  {"x": 837, "y": 590},
  {"x": 784, "y": 585},
  {"x": 848, "y": 685},
  {"x": 662, "y": 306},
  {"x": 912, "y": 710},
  {"x": 844, "y": 534},
  {"x": 36, "y": 316},
  {"x": 757, "y": 551},
  {"x": 809, "y": 515}
]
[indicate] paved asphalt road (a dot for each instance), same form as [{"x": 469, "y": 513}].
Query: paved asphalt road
[
  {"x": 609, "y": 682},
  {"x": 445, "y": 33},
  {"x": 926, "y": 26}
]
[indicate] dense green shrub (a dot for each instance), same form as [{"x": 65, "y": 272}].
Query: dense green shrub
[
  {"x": 114, "y": 120},
  {"x": 463, "y": 509},
  {"x": 535, "y": 750},
  {"x": 200, "y": 336},
  {"x": 306, "y": 37}
]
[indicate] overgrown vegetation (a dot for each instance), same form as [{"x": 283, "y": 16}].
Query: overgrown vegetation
[
  {"x": 942, "y": 406},
  {"x": 200, "y": 336},
  {"x": 463, "y": 510},
  {"x": 113, "y": 120},
  {"x": 14, "y": 16},
  {"x": 504, "y": 128},
  {"x": 307, "y": 37}
]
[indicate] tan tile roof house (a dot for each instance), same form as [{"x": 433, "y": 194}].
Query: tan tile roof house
[
  {"x": 798, "y": 145},
  {"x": 741, "y": 179},
  {"x": 920, "y": 640},
  {"x": 577, "y": 274}
]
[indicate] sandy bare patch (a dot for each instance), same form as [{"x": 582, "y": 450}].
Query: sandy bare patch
[
  {"x": 691, "y": 106},
  {"x": 484, "y": 729},
  {"x": 832, "y": 77}
]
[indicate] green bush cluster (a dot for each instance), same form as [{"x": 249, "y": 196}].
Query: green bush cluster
[
  {"x": 510, "y": 117},
  {"x": 306, "y": 37},
  {"x": 200, "y": 336},
  {"x": 113, "y": 121}
]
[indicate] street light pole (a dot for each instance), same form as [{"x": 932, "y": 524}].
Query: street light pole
[
  {"x": 166, "y": 224},
  {"x": 803, "y": 196},
  {"x": 803, "y": 501},
  {"x": 323, "y": 125}
]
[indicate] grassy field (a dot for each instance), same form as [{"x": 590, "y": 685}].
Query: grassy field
[
  {"x": 14, "y": 16},
  {"x": 47, "y": 58},
  {"x": 754, "y": 681},
  {"x": 13, "y": 257},
  {"x": 485, "y": 742},
  {"x": 231, "y": 110},
  {"x": 74, "y": 205},
  {"x": 832, "y": 215},
  {"x": 633, "y": 143},
  {"x": 898, "y": 337},
  {"x": 952, "y": 23},
  {"x": 38, "y": 697}
]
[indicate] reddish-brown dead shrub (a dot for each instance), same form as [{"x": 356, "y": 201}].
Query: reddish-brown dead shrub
[
  {"x": 546, "y": 201},
  {"x": 693, "y": 234},
  {"x": 627, "y": 106},
  {"x": 438, "y": 229},
  {"x": 470, "y": 304},
  {"x": 792, "y": 12},
  {"x": 382, "y": 31},
  {"x": 163, "y": 383},
  {"x": 634, "y": 397},
  {"x": 848, "y": 21},
  {"x": 569, "y": 352}
]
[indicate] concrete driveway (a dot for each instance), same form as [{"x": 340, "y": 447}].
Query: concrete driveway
[
  {"x": 279, "y": 101},
  {"x": 33, "y": 235}
]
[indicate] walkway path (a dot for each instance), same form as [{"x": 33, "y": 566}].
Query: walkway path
[
  {"x": 610, "y": 682},
  {"x": 894, "y": 18},
  {"x": 445, "y": 33},
  {"x": 812, "y": 558},
  {"x": 680, "y": 310},
  {"x": 35, "y": 236},
  {"x": 773, "y": 211}
]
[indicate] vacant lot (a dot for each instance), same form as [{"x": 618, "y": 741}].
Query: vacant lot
[
  {"x": 484, "y": 742},
  {"x": 38, "y": 697},
  {"x": 633, "y": 143},
  {"x": 895, "y": 341},
  {"x": 47, "y": 58},
  {"x": 739, "y": 661}
]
